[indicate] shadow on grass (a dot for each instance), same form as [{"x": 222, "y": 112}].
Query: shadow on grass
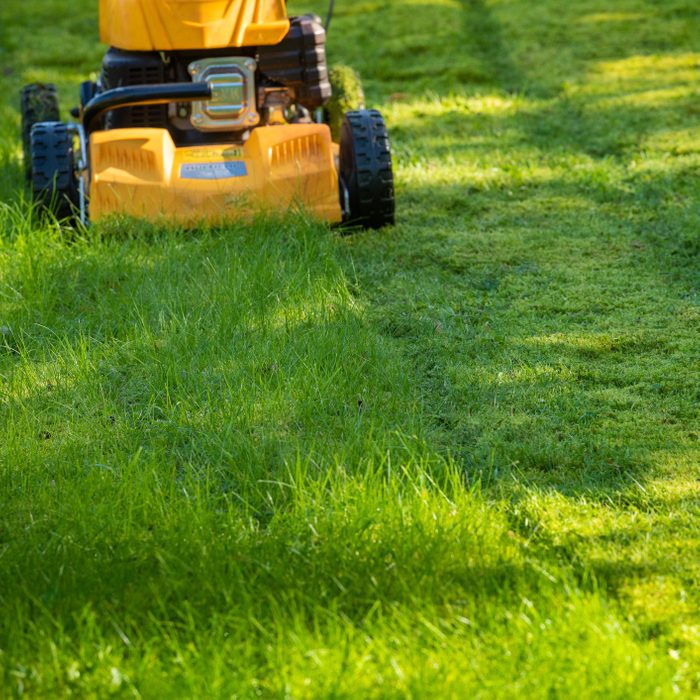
[
  {"x": 530, "y": 362},
  {"x": 483, "y": 40}
]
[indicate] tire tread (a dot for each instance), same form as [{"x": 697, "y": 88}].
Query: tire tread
[
  {"x": 366, "y": 168},
  {"x": 54, "y": 185}
]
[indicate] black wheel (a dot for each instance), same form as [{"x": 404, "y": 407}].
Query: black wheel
[
  {"x": 366, "y": 172},
  {"x": 54, "y": 180},
  {"x": 38, "y": 103}
]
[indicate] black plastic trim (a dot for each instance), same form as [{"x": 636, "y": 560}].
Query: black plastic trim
[{"x": 143, "y": 95}]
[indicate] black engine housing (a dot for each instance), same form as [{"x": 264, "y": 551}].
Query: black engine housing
[
  {"x": 298, "y": 63},
  {"x": 127, "y": 68}
]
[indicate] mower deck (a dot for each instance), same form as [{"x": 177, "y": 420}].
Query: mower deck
[{"x": 140, "y": 172}]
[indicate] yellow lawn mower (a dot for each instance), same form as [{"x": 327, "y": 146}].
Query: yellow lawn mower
[{"x": 206, "y": 110}]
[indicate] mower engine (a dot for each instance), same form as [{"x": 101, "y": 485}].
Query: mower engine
[{"x": 249, "y": 87}]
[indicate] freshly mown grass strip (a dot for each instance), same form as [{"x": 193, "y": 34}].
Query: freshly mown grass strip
[{"x": 457, "y": 458}]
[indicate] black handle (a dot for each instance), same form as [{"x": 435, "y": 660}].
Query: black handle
[{"x": 143, "y": 95}]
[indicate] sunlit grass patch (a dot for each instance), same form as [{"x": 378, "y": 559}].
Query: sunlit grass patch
[
  {"x": 676, "y": 67},
  {"x": 606, "y": 17}
]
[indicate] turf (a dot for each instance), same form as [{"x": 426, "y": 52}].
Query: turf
[{"x": 455, "y": 458}]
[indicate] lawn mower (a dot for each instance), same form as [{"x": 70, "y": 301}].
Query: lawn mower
[{"x": 206, "y": 110}]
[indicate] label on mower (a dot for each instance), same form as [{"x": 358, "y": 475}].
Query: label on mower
[
  {"x": 207, "y": 155},
  {"x": 213, "y": 171}
]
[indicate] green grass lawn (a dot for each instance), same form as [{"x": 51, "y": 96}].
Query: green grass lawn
[{"x": 457, "y": 458}]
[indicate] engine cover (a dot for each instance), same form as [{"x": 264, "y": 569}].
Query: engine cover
[{"x": 191, "y": 25}]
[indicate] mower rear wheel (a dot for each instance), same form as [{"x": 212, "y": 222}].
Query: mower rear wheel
[
  {"x": 366, "y": 173},
  {"x": 54, "y": 180},
  {"x": 38, "y": 103}
]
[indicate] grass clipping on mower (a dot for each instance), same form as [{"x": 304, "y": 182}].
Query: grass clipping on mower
[{"x": 348, "y": 95}]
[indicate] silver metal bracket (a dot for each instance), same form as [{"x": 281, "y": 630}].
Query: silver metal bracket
[
  {"x": 346, "y": 197},
  {"x": 81, "y": 167},
  {"x": 233, "y": 105}
]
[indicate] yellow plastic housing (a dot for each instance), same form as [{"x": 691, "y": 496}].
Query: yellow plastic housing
[
  {"x": 141, "y": 173},
  {"x": 172, "y": 25}
]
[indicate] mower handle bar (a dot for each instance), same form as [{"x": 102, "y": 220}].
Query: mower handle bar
[{"x": 143, "y": 95}]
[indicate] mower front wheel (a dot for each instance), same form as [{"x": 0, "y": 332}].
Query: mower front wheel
[
  {"x": 366, "y": 172},
  {"x": 54, "y": 179},
  {"x": 38, "y": 103}
]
